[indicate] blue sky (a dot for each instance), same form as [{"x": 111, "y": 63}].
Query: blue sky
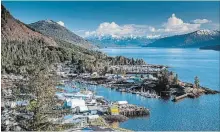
[{"x": 121, "y": 18}]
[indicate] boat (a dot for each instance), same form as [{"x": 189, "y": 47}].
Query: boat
[{"x": 149, "y": 95}]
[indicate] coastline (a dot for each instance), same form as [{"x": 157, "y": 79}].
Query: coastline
[{"x": 95, "y": 79}]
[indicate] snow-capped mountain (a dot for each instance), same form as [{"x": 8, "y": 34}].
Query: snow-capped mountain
[
  {"x": 114, "y": 41},
  {"x": 195, "y": 39}
]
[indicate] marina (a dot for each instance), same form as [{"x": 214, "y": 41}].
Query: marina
[
  {"x": 146, "y": 81},
  {"x": 83, "y": 105}
]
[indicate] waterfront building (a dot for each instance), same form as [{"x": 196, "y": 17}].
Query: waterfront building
[{"x": 114, "y": 110}]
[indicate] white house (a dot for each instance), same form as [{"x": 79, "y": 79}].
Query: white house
[{"x": 73, "y": 103}]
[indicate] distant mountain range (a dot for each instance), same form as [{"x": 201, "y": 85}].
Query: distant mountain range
[
  {"x": 55, "y": 30},
  {"x": 109, "y": 41},
  {"x": 195, "y": 39}
]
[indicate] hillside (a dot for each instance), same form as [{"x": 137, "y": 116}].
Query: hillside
[
  {"x": 24, "y": 50},
  {"x": 53, "y": 29},
  {"x": 195, "y": 39},
  {"x": 14, "y": 30}
]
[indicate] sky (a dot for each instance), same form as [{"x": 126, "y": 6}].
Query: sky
[{"x": 119, "y": 19}]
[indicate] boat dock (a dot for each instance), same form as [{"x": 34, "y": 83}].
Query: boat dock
[{"x": 175, "y": 99}]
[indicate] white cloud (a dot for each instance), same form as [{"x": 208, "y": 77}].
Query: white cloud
[
  {"x": 115, "y": 30},
  {"x": 61, "y": 23},
  {"x": 174, "y": 21},
  {"x": 201, "y": 21},
  {"x": 172, "y": 26},
  {"x": 176, "y": 25}
]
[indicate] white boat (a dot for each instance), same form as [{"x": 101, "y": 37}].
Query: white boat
[{"x": 149, "y": 95}]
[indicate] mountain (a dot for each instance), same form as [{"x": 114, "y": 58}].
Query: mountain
[
  {"x": 23, "y": 50},
  {"x": 213, "y": 47},
  {"x": 109, "y": 41},
  {"x": 14, "y": 30},
  {"x": 23, "y": 47},
  {"x": 195, "y": 39},
  {"x": 55, "y": 30}
]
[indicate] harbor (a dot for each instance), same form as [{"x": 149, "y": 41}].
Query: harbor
[
  {"x": 85, "y": 106},
  {"x": 149, "y": 81},
  {"x": 94, "y": 101},
  {"x": 111, "y": 88},
  {"x": 144, "y": 86}
]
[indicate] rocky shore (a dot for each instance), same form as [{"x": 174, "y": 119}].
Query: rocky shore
[{"x": 115, "y": 118}]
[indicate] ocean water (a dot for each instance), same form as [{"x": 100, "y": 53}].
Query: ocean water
[{"x": 202, "y": 113}]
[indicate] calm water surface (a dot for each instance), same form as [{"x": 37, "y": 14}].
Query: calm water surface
[{"x": 189, "y": 114}]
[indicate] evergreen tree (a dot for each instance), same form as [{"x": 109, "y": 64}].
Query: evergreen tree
[
  {"x": 196, "y": 82},
  {"x": 175, "y": 80}
]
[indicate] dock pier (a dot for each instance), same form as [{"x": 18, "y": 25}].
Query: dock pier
[{"x": 175, "y": 99}]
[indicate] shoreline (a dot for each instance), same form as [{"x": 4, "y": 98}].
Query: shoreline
[
  {"x": 181, "y": 88},
  {"x": 104, "y": 80},
  {"x": 125, "y": 111}
]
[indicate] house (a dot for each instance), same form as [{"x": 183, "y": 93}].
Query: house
[
  {"x": 93, "y": 117},
  {"x": 73, "y": 103},
  {"x": 91, "y": 102},
  {"x": 122, "y": 102},
  {"x": 114, "y": 110},
  {"x": 22, "y": 103},
  {"x": 78, "y": 105},
  {"x": 69, "y": 119},
  {"x": 93, "y": 110},
  {"x": 83, "y": 108}
]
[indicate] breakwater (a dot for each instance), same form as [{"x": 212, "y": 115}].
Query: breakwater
[{"x": 133, "y": 110}]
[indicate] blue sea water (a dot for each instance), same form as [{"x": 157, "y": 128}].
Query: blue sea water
[{"x": 202, "y": 113}]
